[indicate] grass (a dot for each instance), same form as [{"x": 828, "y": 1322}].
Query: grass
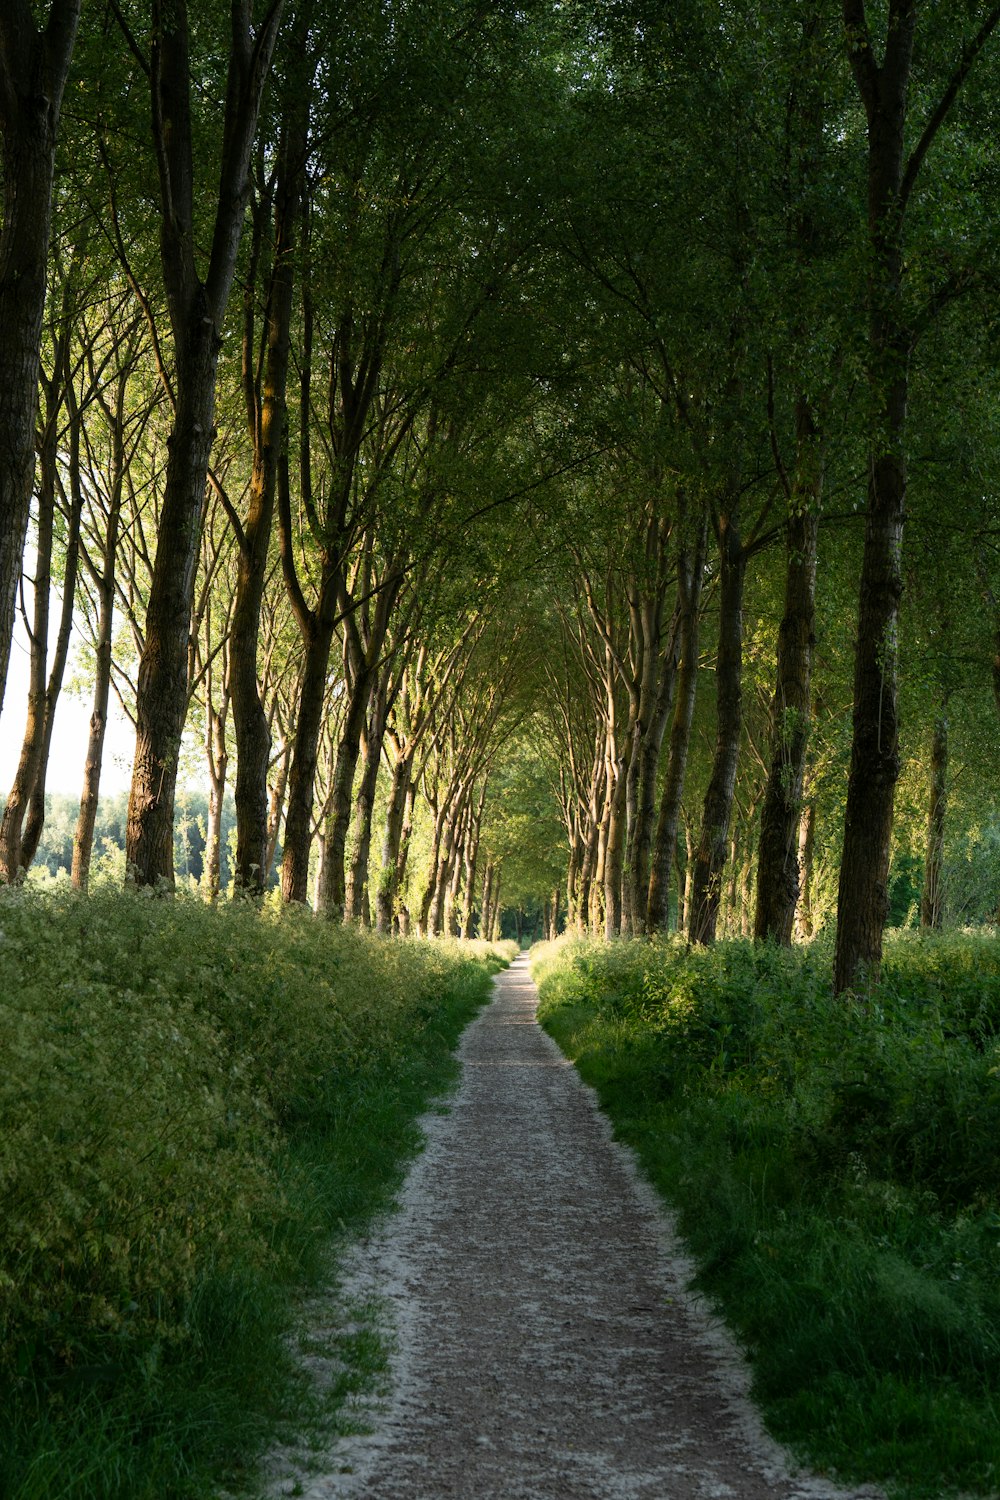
[
  {"x": 196, "y": 1105},
  {"x": 835, "y": 1166}
]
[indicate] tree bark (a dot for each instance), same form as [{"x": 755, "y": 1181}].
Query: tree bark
[
  {"x": 197, "y": 309},
  {"x": 388, "y": 889},
  {"x": 218, "y": 767},
  {"x": 932, "y": 897},
  {"x": 863, "y": 893},
  {"x": 276, "y": 806},
  {"x": 12, "y": 821},
  {"x": 804, "y": 921},
  {"x": 706, "y": 874},
  {"x": 495, "y": 928},
  {"x": 690, "y": 574},
  {"x": 778, "y": 866},
  {"x": 83, "y": 839},
  {"x": 333, "y": 891},
  {"x": 268, "y": 415},
  {"x": 305, "y": 754},
  {"x": 486, "y": 917},
  {"x": 863, "y": 896},
  {"x": 34, "y": 65},
  {"x": 364, "y": 806}
]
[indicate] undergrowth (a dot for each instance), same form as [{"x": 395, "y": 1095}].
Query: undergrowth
[
  {"x": 193, "y": 1102},
  {"x": 835, "y": 1165}
]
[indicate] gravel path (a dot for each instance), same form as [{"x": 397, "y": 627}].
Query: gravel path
[{"x": 547, "y": 1347}]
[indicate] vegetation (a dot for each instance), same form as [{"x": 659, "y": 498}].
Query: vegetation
[
  {"x": 195, "y": 1104},
  {"x": 514, "y": 467},
  {"x": 835, "y": 1172},
  {"x": 404, "y": 406}
]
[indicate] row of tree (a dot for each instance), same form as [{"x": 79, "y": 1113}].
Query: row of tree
[{"x": 405, "y": 401}]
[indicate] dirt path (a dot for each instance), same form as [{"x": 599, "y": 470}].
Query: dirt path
[{"x": 547, "y": 1347}]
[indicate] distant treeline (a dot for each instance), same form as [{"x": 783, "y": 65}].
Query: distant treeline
[{"x": 55, "y": 849}]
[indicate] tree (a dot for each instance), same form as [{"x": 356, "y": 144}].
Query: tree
[
  {"x": 892, "y": 174},
  {"x": 196, "y": 307},
  {"x": 34, "y": 65}
]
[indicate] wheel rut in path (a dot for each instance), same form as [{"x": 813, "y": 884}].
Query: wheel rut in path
[{"x": 547, "y": 1346}]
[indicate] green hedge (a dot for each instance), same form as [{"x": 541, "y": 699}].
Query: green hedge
[
  {"x": 836, "y": 1167},
  {"x": 187, "y": 1099}
]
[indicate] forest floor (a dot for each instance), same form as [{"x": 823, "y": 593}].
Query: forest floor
[{"x": 545, "y": 1340}]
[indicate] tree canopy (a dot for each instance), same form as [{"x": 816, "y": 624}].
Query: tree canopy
[{"x": 536, "y": 456}]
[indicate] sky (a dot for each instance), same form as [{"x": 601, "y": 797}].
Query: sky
[{"x": 72, "y": 728}]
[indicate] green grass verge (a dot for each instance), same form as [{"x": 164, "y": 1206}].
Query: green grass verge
[
  {"x": 835, "y": 1166},
  {"x": 195, "y": 1105}
]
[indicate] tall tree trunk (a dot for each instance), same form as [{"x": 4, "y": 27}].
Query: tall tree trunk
[
  {"x": 863, "y": 893},
  {"x": 486, "y": 914},
  {"x": 268, "y": 414},
  {"x": 804, "y": 922},
  {"x": 495, "y": 928},
  {"x": 706, "y": 874},
  {"x": 453, "y": 888},
  {"x": 12, "y": 822},
  {"x": 305, "y": 753},
  {"x": 427, "y": 899},
  {"x": 684, "y": 859},
  {"x": 83, "y": 839},
  {"x": 778, "y": 866},
  {"x": 276, "y": 806},
  {"x": 614, "y": 854},
  {"x": 388, "y": 886},
  {"x": 364, "y": 806},
  {"x": 35, "y": 820},
  {"x": 471, "y": 862},
  {"x": 218, "y": 766},
  {"x": 333, "y": 892},
  {"x": 34, "y": 64},
  {"x": 441, "y": 875},
  {"x": 690, "y": 575},
  {"x": 197, "y": 309},
  {"x": 932, "y": 897},
  {"x": 162, "y": 682}
]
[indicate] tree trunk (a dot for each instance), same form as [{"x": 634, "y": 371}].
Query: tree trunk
[
  {"x": 863, "y": 896},
  {"x": 364, "y": 805},
  {"x": 276, "y": 807},
  {"x": 12, "y": 822},
  {"x": 441, "y": 873},
  {"x": 453, "y": 888},
  {"x": 471, "y": 862},
  {"x": 932, "y": 897},
  {"x": 690, "y": 574},
  {"x": 305, "y": 753},
  {"x": 388, "y": 886},
  {"x": 33, "y": 69},
  {"x": 863, "y": 892},
  {"x": 614, "y": 855},
  {"x": 268, "y": 411},
  {"x": 494, "y": 933},
  {"x": 804, "y": 922},
  {"x": 218, "y": 765},
  {"x": 684, "y": 859},
  {"x": 83, "y": 839},
  {"x": 197, "y": 309},
  {"x": 778, "y": 868},
  {"x": 706, "y": 874},
  {"x": 427, "y": 899},
  {"x": 651, "y": 725},
  {"x": 333, "y": 892},
  {"x": 162, "y": 683}
]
